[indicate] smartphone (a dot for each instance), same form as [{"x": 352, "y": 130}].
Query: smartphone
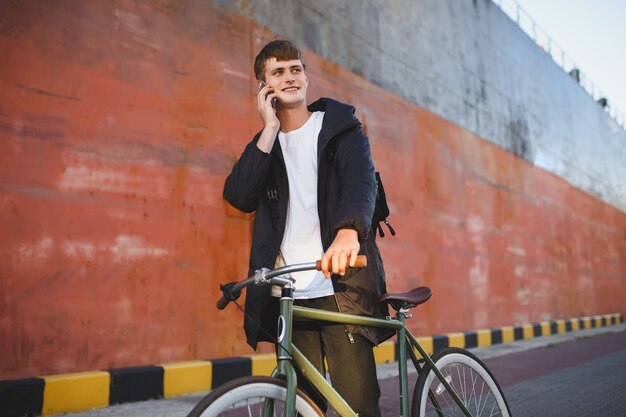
[{"x": 264, "y": 84}]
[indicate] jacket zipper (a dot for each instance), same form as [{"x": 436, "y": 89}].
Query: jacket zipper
[{"x": 348, "y": 333}]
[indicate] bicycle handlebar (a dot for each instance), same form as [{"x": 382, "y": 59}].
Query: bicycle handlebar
[{"x": 232, "y": 290}]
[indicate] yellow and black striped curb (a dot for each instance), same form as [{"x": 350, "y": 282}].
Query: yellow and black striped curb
[{"x": 86, "y": 390}]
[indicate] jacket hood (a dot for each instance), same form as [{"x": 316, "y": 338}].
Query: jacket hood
[{"x": 337, "y": 118}]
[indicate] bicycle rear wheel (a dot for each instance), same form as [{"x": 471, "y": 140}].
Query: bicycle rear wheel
[
  {"x": 246, "y": 397},
  {"x": 471, "y": 380}
]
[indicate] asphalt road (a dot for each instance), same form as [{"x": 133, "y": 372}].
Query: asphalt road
[{"x": 576, "y": 374}]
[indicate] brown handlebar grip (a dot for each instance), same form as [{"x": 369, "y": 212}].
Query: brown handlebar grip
[{"x": 361, "y": 262}]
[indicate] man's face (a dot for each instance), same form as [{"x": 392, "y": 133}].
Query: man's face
[{"x": 288, "y": 80}]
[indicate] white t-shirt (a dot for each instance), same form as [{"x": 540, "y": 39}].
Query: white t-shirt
[{"x": 302, "y": 241}]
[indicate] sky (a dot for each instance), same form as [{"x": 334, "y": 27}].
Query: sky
[{"x": 593, "y": 35}]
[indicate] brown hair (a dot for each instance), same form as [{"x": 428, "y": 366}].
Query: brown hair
[{"x": 282, "y": 50}]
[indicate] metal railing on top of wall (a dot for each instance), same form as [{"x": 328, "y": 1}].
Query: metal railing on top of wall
[{"x": 525, "y": 22}]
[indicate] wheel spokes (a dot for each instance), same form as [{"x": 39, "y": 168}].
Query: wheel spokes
[{"x": 471, "y": 388}]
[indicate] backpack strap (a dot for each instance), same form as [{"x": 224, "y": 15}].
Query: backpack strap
[{"x": 381, "y": 209}]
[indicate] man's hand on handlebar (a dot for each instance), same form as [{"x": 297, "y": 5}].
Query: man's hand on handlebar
[{"x": 341, "y": 253}]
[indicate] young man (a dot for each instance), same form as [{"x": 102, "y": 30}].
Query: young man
[{"x": 309, "y": 176}]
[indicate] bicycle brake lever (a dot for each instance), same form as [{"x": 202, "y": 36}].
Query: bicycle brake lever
[{"x": 227, "y": 290}]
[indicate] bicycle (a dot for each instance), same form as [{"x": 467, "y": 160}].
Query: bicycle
[{"x": 450, "y": 382}]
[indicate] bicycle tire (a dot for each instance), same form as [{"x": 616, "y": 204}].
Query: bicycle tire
[
  {"x": 244, "y": 397},
  {"x": 470, "y": 378}
]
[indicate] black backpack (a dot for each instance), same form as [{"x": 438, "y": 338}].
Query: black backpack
[{"x": 381, "y": 210}]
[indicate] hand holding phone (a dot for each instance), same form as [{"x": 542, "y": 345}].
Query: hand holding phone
[
  {"x": 268, "y": 113},
  {"x": 263, "y": 85},
  {"x": 271, "y": 123}
]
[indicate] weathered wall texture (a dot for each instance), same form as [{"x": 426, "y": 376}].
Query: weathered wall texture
[
  {"x": 468, "y": 62},
  {"x": 119, "y": 122}
]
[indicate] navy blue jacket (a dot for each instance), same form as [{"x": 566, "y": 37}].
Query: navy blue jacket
[{"x": 346, "y": 193}]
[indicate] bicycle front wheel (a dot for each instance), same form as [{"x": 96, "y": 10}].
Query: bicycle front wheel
[
  {"x": 470, "y": 379},
  {"x": 247, "y": 397}
]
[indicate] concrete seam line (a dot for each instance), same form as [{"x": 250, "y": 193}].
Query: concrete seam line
[{"x": 27, "y": 395}]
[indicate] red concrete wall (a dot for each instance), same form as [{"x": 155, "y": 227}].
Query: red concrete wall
[{"x": 119, "y": 122}]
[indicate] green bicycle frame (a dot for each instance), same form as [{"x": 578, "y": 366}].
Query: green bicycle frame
[{"x": 285, "y": 350}]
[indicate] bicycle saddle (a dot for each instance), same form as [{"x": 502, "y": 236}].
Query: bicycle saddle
[{"x": 409, "y": 299}]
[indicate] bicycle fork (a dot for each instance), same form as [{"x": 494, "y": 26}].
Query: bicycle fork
[{"x": 283, "y": 354}]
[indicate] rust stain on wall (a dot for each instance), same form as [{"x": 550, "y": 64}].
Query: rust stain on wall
[{"x": 119, "y": 122}]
